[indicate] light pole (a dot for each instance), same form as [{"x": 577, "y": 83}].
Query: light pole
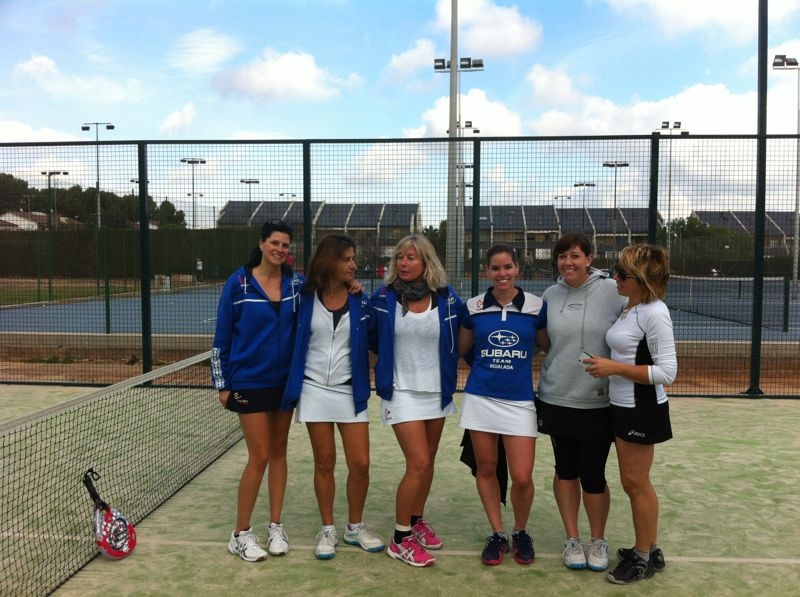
[
  {"x": 665, "y": 126},
  {"x": 87, "y": 126},
  {"x": 52, "y": 213},
  {"x": 51, "y": 216},
  {"x": 783, "y": 62},
  {"x": 616, "y": 165},
  {"x": 193, "y": 162},
  {"x": 583, "y": 204},
  {"x": 455, "y": 211},
  {"x": 561, "y": 214},
  {"x": 249, "y": 182}
]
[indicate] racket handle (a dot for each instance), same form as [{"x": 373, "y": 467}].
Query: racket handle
[{"x": 88, "y": 477}]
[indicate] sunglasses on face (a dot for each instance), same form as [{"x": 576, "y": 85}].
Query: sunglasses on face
[{"x": 621, "y": 273}]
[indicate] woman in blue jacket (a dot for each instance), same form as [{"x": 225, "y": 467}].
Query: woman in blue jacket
[
  {"x": 329, "y": 384},
  {"x": 249, "y": 365},
  {"x": 417, "y": 320}
]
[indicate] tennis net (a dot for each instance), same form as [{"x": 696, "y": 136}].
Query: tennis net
[
  {"x": 147, "y": 437},
  {"x": 731, "y": 299}
]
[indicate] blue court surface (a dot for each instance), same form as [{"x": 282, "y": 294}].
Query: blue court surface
[{"x": 192, "y": 311}]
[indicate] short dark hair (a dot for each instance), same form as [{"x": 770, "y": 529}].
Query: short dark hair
[
  {"x": 501, "y": 248},
  {"x": 569, "y": 240}
]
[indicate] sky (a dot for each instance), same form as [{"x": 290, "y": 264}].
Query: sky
[{"x": 340, "y": 69}]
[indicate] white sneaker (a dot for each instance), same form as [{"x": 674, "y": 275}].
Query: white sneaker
[
  {"x": 361, "y": 535},
  {"x": 278, "y": 544},
  {"x": 246, "y": 547},
  {"x": 573, "y": 554},
  {"x": 327, "y": 540},
  {"x": 598, "y": 555}
]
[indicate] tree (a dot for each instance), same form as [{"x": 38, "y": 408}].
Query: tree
[
  {"x": 438, "y": 238},
  {"x": 168, "y": 217}
]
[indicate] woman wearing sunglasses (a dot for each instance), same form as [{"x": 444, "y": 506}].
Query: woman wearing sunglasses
[{"x": 642, "y": 362}]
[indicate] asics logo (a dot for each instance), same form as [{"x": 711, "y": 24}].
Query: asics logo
[{"x": 503, "y": 339}]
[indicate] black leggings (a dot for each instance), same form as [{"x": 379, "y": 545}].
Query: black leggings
[{"x": 582, "y": 459}]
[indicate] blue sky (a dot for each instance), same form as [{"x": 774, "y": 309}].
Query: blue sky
[{"x": 297, "y": 69}]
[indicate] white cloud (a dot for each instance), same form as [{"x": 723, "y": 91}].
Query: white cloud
[
  {"x": 291, "y": 76},
  {"x": 490, "y": 30},
  {"x": 704, "y": 109},
  {"x": 42, "y": 72},
  {"x": 737, "y": 18},
  {"x": 203, "y": 51},
  {"x": 13, "y": 131},
  {"x": 409, "y": 62},
  {"x": 490, "y": 117},
  {"x": 552, "y": 87},
  {"x": 178, "y": 121}
]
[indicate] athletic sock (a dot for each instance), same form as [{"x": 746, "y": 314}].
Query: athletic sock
[
  {"x": 401, "y": 532},
  {"x": 415, "y": 518},
  {"x": 645, "y": 555}
]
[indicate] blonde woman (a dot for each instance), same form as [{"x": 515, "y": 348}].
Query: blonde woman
[
  {"x": 642, "y": 362},
  {"x": 416, "y": 339}
]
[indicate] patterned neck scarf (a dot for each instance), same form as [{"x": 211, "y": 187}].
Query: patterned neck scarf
[{"x": 410, "y": 291}]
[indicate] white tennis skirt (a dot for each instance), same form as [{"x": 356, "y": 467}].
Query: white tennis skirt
[
  {"x": 406, "y": 405},
  {"x": 504, "y": 417},
  {"x": 328, "y": 404}
]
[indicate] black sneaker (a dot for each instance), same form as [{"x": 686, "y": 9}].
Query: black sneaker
[
  {"x": 522, "y": 547},
  {"x": 495, "y": 548},
  {"x": 631, "y": 570},
  {"x": 656, "y": 557}
]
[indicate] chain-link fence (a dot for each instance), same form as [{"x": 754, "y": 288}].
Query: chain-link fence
[{"x": 112, "y": 254}]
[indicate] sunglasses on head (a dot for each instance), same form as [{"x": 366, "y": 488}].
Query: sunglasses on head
[{"x": 621, "y": 273}]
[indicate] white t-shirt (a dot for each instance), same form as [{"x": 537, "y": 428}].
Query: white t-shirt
[
  {"x": 416, "y": 351},
  {"x": 650, "y": 326}
]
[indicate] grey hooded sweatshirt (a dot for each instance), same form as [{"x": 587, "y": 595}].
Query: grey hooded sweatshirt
[{"x": 577, "y": 322}]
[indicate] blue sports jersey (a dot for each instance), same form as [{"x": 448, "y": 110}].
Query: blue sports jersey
[{"x": 504, "y": 344}]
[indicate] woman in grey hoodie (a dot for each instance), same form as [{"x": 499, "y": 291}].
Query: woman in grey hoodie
[{"x": 573, "y": 407}]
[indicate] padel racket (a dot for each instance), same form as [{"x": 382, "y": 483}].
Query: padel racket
[{"x": 114, "y": 535}]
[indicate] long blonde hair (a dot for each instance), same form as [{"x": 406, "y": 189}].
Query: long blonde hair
[{"x": 434, "y": 275}]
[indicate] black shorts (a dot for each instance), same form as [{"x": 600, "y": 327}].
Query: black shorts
[
  {"x": 591, "y": 424},
  {"x": 255, "y": 400},
  {"x": 642, "y": 424}
]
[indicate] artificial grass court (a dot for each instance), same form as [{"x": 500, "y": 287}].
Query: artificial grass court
[{"x": 730, "y": 509}]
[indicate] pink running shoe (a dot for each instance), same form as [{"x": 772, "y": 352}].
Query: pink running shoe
[
  {"x": 425, "y": 534},
  {"x": 410, "y": 552}
]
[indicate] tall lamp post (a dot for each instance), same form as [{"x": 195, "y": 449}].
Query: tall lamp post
[
  {"x": 562, "y": 198},
  {"x": 193, "y": 162},
  {"x": 51, "y": 217},
  {"x": 87, "y": 126},
  {"x": 583, "y": 204},
  {"x": 455, "y": 211},
  {"x": 249, "y": 182},
  {"x": 665, "y": 126},
  {"x": 783, "y": 62},
  {"x": 616, "y": 165}
]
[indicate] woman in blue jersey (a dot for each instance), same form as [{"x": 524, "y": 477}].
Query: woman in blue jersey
[
  {"x": 249, "y": 366},
  {"x": 499, "y": 339},
  {"x": 329, "y": 383},
  {"x": 642, "y": 362},
  {"x": 416, "y": 338}
]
